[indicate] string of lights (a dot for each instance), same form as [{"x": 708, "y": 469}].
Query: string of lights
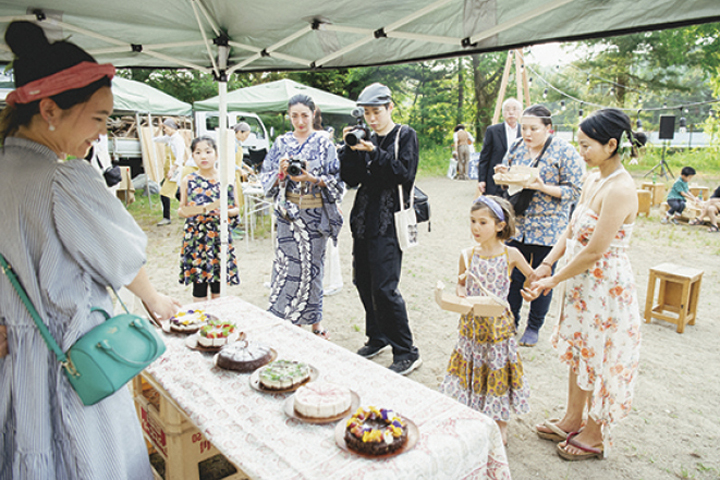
[{"x": 683, "y": 108}]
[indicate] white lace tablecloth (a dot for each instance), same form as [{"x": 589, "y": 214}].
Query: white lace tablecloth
[{"x": 251, "y": 429}]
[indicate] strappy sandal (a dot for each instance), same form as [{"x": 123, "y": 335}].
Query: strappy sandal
[
  {"x": 713, "y": 229},
  {"x": 695, "y": 221},
  {"x": 322, "y": 334},
  {"x": 556, "y": 434},
  {"x": 588, "y": 452}
]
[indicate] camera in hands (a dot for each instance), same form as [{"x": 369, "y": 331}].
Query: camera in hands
[
  {"x": 296, "y": 167},
  {"x": 360, "y": 131}
]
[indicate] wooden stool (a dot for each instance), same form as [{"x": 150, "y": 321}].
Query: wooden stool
[
  {"x": 657, "y": 190},
  {"x": 678, "y": 293},
  {"x": 696, "y": 190},
  {"x": 644, "y": 200}
]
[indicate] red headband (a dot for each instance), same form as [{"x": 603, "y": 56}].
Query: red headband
[{"x": 77, "y": 76}]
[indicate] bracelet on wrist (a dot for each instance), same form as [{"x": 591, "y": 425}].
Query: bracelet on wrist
[{"x": 545, "y": 262}]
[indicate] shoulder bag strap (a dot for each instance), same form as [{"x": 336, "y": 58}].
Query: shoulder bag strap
[
  {"x": 49, "y": 340},
  {"x": 400, "y": 189},
  {"x": 545, "y": 147}
]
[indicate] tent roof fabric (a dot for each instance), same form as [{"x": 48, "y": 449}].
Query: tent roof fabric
[
  {"x": 292, "y": 35},
  {"x": 132, "y": 96},
  {"x": 274, "y": 96}
]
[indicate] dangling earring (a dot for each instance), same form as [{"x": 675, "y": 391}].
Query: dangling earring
[{"x": 51, "y": 127}]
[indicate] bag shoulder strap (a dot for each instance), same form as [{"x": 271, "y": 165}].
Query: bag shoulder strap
[
  {"x": 400, "y": 189},
  {"x": 542, "y": 152},
  {"x": 44, "y": 332}
]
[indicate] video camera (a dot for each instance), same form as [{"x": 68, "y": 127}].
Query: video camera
[
  {"x": 295, "y": 167},
  {"x": 360, "y": 131}
]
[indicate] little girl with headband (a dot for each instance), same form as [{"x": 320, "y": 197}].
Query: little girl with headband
[{"x": 485, "y": 371}]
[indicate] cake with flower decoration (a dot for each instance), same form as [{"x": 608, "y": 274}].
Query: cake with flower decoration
[
  {"x": 322, "y": 400},
  {"x": 283, "y": 374},
  {"x": 375, "y": 431},
  {"x": 189, "y": 321},
  {"x": 243, "y": 356},
  {"x": 216, "y": 334}
]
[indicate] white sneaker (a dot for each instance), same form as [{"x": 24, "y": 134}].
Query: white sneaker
[{"x": 164, "y": 221}]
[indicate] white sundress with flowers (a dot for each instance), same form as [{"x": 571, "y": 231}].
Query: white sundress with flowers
[{"x": 598, "y": 333}]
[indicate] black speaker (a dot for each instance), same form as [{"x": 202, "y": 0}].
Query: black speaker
[{"x": 667, "y": 127}]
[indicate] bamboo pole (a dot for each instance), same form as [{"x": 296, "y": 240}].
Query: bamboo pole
[{"x": 503, "y": 87}]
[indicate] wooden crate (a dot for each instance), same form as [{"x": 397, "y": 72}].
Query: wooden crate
[
  {"x": 169, "y": 432},
  {"x": 657, "y": 190}
]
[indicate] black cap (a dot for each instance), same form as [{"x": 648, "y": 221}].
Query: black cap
[{"x": 374, "y": 95}]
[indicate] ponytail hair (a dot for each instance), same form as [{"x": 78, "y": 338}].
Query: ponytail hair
[{"x": 613, "y": 123}]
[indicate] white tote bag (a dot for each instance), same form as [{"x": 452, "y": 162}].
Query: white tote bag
[
  {"x": 405, "y": 221},
  {"x": 406, "y": 224}
]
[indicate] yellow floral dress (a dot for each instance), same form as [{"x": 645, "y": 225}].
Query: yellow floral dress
[
  {"x": 485, "y": 371},
  {"x": 598, "y": 333}
]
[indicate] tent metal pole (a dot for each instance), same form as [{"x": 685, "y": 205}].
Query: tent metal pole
[{"x": 223, "y": 52}]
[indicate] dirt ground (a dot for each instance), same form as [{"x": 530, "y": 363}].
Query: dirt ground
[{"x": 674, "y": 429}]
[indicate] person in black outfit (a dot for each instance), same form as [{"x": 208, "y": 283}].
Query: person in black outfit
[
  {"x": 498, "y": 139},
  {"x": 377, "y": 258}
]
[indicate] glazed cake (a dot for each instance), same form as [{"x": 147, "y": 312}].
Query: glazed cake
[
  {"x": 216, "y": 334},
  {"x": 322, "y": 400},
  {"x": 375, "y": 431},
  {"x": 283, "y": 374},
  {"x": 188, "y": 322},
  {"x": 243, "y": 356}
]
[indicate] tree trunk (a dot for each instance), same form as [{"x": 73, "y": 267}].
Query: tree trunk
[{"x": 486, "y": 89}]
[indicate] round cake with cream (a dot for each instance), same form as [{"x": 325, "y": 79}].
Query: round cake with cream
[
  {"x": 375, "y": 431},
  {"x": 322, "y": 400},
  {"x": 216, "y": 334},
  {"x": 243, "y": 356},
  {"x": 189, "y": 321},
  {"x": 283, "y": 374}
]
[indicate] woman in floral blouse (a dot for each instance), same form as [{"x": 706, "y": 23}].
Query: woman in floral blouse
[
  {"x": 598, "y": 333},
  {"x": 556, "y": 189}
]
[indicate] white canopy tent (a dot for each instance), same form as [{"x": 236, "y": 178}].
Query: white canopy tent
[{"x": 223, "y": 36}]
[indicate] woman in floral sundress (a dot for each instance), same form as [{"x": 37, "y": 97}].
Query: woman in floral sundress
[
  {"x": 200, "y": 206},
  {"x": 598, "y": 333},
  {"x": 485, "y": 371}
]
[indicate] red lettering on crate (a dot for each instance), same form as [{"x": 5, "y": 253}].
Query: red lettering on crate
[
  {"x": 205, "y": 445},
  {"x": 154, "y": 431}
]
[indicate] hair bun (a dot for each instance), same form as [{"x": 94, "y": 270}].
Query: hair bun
[{"x": 26, "y": 39}]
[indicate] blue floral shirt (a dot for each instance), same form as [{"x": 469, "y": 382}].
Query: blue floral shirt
[{"x": 547, "y": 217}]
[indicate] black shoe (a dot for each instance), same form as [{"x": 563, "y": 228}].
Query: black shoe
[
  {"x": 369, "y": 351},
  {"x": 403, "y": 367}
]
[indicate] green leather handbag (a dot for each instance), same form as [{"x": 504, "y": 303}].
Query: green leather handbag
[{"x": 106, "y": 357}]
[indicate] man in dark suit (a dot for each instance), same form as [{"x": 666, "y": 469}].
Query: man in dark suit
[{"x": 498, "y": 139}]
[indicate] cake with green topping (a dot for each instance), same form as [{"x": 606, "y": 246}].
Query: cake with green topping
[{"x": 283, "y": 374}]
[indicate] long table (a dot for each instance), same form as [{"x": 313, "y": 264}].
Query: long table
[{"x": 251, "y": 429}]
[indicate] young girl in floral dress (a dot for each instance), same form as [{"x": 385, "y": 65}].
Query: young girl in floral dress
[
  {"x": 200, "y": 206},
  {"x": 485, "y": 371}
]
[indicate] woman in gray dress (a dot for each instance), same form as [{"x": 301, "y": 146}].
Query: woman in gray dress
[{"x": 67, "y": 239}]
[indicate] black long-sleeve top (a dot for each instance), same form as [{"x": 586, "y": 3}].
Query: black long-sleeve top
[{"x": 379, "y": 173}]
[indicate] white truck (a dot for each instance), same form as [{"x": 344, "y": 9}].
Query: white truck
[{"x": 127, "y": 150}]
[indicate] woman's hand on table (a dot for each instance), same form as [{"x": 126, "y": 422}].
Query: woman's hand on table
[
  {"x": 163, "y": 306},
  {"x": 3, "y": 341}
]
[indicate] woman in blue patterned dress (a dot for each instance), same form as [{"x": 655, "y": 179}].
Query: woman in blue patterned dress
[
  {"x": 556, "y": 189},
  {"x": 307, "y": 215},
  {"x": 200, "y": 206}
]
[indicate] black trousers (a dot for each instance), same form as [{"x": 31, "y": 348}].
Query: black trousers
[
  {"x": 539, "y": 307},
  {"x": 165, "y": 201},
  {"x": 377, "y": 264}
]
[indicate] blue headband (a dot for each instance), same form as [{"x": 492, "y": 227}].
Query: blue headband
[{"x": 492, "y": 205}]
